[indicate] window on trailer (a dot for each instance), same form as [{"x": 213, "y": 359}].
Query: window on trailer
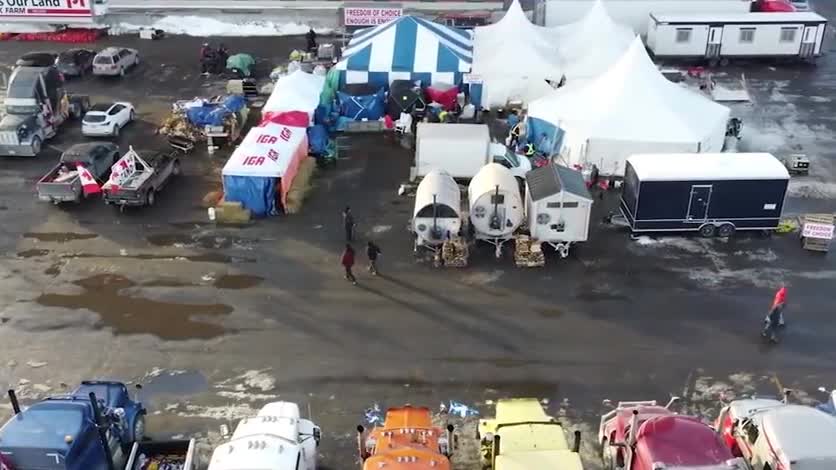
[
  {"x": 683, "y": 34},
  {"x": 788, "y": 34},
  {"x": 558, "y": 205},
  {"x": 747, "y": 35}
]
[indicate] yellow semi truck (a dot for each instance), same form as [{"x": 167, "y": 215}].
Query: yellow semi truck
[{"x": 522, "y": 436}]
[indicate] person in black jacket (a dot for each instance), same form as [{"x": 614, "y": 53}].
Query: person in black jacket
[
  {"x": 311, "y": 37},
  {"x": 373, "y": 251}
]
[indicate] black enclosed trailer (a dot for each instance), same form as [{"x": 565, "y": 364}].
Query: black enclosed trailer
[{"x": 709, "y": 193}]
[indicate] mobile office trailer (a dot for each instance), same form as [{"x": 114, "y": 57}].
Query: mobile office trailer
[
  {"x": 558, "y": 206},
  {"x": 710, "y": 193},
  {"x": 718, "y": 37}
]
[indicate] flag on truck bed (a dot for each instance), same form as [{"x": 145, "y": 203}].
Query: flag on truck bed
[{"x": 88, "y": 182}]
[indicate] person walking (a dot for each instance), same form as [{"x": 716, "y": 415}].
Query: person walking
[
  {"x": 348, "y": 224},
  {"x": 205, "y": 55},
  {"x": 347, "y": 261},
  {"x": 311, "y": 39},
  {"x": 373, "y": 251},
  {"x": 776, "y": 311}
]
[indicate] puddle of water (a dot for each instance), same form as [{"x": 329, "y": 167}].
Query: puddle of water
[
  {"x": 164, "y": 282},
  {"x": 4, "y": 208},
  {"x": 211, "y": 242},
  {"x": 59, "y": 237},
  {"x": 137, "y": 315},
  {"x": 175, "y": 383},
  {"x": 53, "y": 270},
  {"x": 33, "y": 253},
  {"x": 237, "y": 281},
  {"x": 550, "y": 312},
  {"x": 202, "y": 258}
]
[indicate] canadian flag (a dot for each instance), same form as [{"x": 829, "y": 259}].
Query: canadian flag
[{"x": 88, "y": 182}]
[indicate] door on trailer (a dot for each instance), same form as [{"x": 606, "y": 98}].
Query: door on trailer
[
  {"x": 715, "y": 41},
  {"x": 698, "y": 205},
  {"x": 808, "y": 41}
]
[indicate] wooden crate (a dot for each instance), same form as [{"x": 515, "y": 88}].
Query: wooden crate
[{"x": 815, "y": 243}]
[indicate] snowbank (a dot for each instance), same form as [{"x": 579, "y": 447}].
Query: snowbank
[
  {"x": 26, "y": 28},
  {"x": 203, "y": 26}
]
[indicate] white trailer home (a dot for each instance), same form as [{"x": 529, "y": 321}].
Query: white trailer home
[
  {"x": 718, "y": 37},
  {"x": 632, "y": 13},
  {"x": 558, "y": 207}
]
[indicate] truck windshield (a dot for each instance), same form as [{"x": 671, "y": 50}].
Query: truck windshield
[
  {"x": 42, "y": 427},
  {"x": 23, "y": 110}
]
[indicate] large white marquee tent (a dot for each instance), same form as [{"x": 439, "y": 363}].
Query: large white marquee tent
[
  {"x": 591, "y": 45},
  {"x": 514, "y": 58},
  {"x": 632, "y": 108}
]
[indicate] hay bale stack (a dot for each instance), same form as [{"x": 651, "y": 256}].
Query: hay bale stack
[
  {"x": 454, "y": 253},
  {"x": 528, "y": 253},
  {"x": 230, "y": 212},
  {"x": 301, "y": 186}
]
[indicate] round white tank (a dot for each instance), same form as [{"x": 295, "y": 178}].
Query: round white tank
[
  {"x": 496, "y": 208},
  {"x": 437, "y": 208}
]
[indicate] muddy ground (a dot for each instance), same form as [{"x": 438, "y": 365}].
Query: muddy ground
[{"x": 216, "y": 321}]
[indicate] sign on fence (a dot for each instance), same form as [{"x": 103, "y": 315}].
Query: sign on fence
[
  {"x": 370, "y": 16},
  {"x": 814, "y": 230}
]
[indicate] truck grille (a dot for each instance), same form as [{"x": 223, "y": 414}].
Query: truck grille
[{"x": 8, "y": 138}]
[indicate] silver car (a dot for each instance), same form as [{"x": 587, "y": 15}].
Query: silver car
[{"x": 115, "y": 61}]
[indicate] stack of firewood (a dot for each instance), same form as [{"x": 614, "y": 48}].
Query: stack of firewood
[
  {"x": 528, "y": 253},
  {"x": 454, "y": 253}
]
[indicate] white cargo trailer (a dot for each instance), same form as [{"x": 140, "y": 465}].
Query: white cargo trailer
[
  {"x": 558, "y": 207},
  {"x": 460, "y": 150},
  {"x": 719, "y": 37}
]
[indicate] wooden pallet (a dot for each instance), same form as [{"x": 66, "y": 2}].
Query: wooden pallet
[{"x": 528, "y": 253}]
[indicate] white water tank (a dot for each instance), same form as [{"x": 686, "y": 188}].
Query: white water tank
[
  {"x": 437, "y": 209},
  {"x": 496, "y": 208}
]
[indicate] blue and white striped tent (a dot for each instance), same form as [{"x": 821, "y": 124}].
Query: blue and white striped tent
[{"x": 407, "y": 48}]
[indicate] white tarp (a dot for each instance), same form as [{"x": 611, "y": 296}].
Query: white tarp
[
  {"x": 634, "y": 105},
  {"x": 514, "y": 58},
  {"x": 591, "y": 45},
  {"x": 297, "y": 91},
  {"x": 268, "y": 150}
]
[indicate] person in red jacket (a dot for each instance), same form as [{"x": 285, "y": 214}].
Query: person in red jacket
[{"x": 348, "y": 263}]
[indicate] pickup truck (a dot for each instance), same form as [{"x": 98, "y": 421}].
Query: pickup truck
[
  {"x": 136, "y": 178},
  {"x": 89, "y": 429},
  {"x": 63, "y": 184}
]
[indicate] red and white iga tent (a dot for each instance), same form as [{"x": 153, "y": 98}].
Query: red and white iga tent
[{"x": 260, "y": 171}]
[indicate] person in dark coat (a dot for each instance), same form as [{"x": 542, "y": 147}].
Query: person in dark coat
[
  {"x": 205, "y": 57},
  {"x": 349, "y": 224},
  {"x": 220, "y": 60},
  {"x": 311, "y": 37},
  {"x": 347, "y": 261},
  {"x": 373, "y": 251}
]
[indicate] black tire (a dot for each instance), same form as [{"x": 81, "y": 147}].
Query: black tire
[
  {"x": 712, "y": 63},
  {"x": 37, "y": 145},
  {"x": 724, "y": 62},
  {"x": 175, "y": 168},
  {"x": 122, "y": 72},
  {"x": 138, "y": 431},
  {"x": 150, "y": 197},
  {"x": 707, "y": 230},
  {"x": 115, "y": 131},
  {"x": 725, "y": 231},
  {"x": 132, "y": 116}
]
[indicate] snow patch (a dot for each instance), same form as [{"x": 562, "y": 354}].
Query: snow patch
[
  {"x": 206, "y": 27},
  {"x": 259, "y": 380},
  {"x": 483, "y": 277},
  {"x": 228, "y": 413},
  {"x": 377, "y": 229},
  {"x": 247, "y": 396},
  {"x": 26, "y": 28},
  {"x": 811, "y": 189},
  {"x": 820, "y": 99}
]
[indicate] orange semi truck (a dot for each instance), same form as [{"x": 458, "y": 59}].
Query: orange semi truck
[{"x": 406, "y": 441}]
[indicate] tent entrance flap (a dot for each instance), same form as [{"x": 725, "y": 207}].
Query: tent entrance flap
[{"x": 256, "y": 193}]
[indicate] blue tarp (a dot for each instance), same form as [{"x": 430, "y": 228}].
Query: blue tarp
[
  {"x": 318, "y": 140},
  {"x": 214, "y": 114},
  {"x": 369, "y": 107},
  {"x": 536, "y": 129},
  {"x": 258, "y": 194}
]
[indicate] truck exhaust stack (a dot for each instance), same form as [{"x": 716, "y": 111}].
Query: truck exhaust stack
[
  {"x": 13, "y": 399},
  {"x": 360, "y": 449},
  {"x": 634, "y": 423},
  {"x": 576, "y": 446}
]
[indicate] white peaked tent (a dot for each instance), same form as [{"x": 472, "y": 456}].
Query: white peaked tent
[
  {"x": 632, "y": 108},
  {"x": 591, "y": 45},
  {"x": 514, "y": 59}
]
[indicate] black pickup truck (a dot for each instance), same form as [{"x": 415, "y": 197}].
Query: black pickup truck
[{"x": 146, "y": 174}]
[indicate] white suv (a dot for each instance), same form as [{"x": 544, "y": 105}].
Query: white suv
[{"x": 115, "y": 61}]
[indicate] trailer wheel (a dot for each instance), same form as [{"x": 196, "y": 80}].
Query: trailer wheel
[
  {"x": 707, "y": 230},
  {"x": 724, "y": 62},
  {"x": 725, "y": 231},
  {"x": 150, "y": 197},
  {"x": 712, "y": 63},
  {"x": 36, "y": 145}
]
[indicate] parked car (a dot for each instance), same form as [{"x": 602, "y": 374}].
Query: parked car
[
  {"x": 115, "y": 61},
  {"x": 75, "y": 62},
  {"x": 37, "y": 59},
  {"x": 775, "y": 435},
  {"x": 107, "y": 119},
  {"x": 801, "y": 5},
  {"x": 63, "y": 184}
]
